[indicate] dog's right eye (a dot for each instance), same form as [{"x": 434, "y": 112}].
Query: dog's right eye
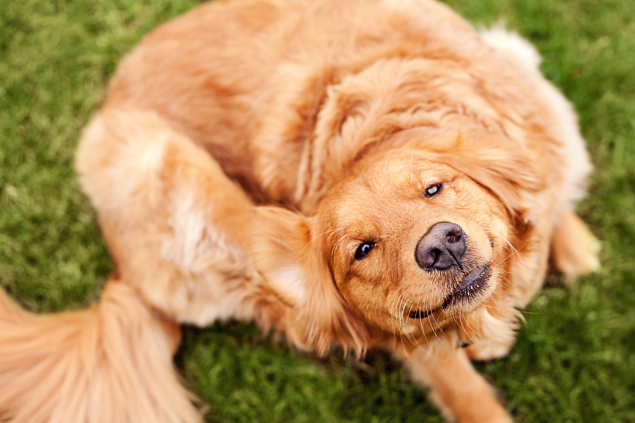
[
  {"x": 433, "y": 190},
  {"x": 364, "y": 249}
]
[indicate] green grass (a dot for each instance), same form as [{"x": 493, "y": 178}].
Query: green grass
[{"x": 575, "y": 356}]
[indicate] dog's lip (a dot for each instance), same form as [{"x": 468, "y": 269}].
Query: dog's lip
[
  {"x": 469, "y": 279},
  {"x": 419, "y": 314},
  {"x": 472, "y": 283}
]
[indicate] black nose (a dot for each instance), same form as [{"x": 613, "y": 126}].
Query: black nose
[{"x": 442, "y": 247}]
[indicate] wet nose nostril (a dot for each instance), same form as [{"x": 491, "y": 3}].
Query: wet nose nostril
[
  {"x": 442, "y": 247},
  {"x": 454, "y": 234},
  {"x": 428, "y": 260},
  {"x": 435, "y": 255}
]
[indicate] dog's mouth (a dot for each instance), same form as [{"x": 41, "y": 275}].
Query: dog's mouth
[{"x": 471, "y": 286}]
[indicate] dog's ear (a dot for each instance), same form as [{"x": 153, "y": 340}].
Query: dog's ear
[{"x": 289, "y": 254}]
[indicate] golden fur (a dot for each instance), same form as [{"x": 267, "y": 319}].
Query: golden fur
[{"x": 245, "y": 153}]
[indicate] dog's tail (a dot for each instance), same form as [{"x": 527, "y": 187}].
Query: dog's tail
[{"x": 110, "y": 363}]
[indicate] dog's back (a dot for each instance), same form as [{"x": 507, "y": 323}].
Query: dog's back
[
  {"x": 261, "y": 91},
  {"x": 246, "y": 80}
]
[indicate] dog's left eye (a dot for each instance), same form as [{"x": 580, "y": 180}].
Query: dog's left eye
[
  {"x": 364, "y": 249},
  {"x": 433, "y": 190}
]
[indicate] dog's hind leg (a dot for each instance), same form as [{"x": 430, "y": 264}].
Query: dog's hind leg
[
  {"x": 575, "y": 251},
  {"x": 175, "y": 224},
  {"x": 158, "y": 198},
  {"x": 161, "y": 201}
]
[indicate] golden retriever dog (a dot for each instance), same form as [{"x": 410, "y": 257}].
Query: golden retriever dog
[{"x": 361, "y": 173}]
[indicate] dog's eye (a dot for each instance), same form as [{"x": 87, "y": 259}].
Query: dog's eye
[
  {"x": 364, "y": 249},
  {"x": 433, "y": 190}
]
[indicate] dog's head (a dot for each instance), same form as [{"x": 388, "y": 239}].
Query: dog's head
[
  {"x": 412, "y": 240},
  {"x": 413, "y": 223}
]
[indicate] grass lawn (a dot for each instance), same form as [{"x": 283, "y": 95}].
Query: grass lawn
[{"x": 575, "y": 356}]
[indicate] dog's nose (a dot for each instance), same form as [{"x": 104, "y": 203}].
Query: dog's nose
[{"x": 442, "y": 247}]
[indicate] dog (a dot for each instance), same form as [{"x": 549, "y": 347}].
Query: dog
[{"x": 362, "y": 174}]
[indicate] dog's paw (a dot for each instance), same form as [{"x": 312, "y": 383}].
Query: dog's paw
[
  {"x": 575, "y": 250},
  {"x": 487, "y": 351}
]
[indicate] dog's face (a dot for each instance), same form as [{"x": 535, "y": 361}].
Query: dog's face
[
  {"x": 412, "y": 244},
  {"x": 413, "y": 239}
]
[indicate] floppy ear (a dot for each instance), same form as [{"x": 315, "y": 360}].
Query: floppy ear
[{"x": 289, "y": 254}]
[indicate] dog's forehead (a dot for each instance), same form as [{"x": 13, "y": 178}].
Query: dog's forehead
[
  {"x": 385, "y": 189},
  {"x": 401, "y": 172},
  {"x": 382, "y": 180}
]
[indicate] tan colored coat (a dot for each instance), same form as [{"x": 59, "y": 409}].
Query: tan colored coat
[{"x": 273, "y": 161}]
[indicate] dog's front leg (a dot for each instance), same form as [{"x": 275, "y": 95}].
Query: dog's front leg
[{"x": 456, "y": 388}]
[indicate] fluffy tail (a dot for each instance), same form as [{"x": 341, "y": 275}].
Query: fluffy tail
[{"x": 111, "y": 363}]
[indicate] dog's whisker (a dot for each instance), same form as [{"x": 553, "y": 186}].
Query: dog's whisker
[
  {"x": 514, "y": 249},
  {"x": 438, "y": 327},
  {"x": 337, "y": 243},
  {"x": 461, "y": 321},
  {"x": 504, "y": 259},
  {"x": 316, "y": 237}
]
